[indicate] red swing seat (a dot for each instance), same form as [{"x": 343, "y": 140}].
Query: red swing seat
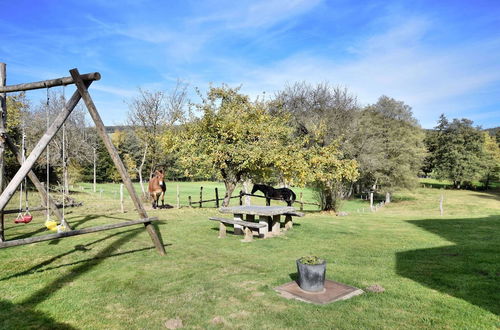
[{"x": 26, "y": 218}]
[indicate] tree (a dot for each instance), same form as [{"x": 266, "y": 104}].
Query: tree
[
  {"x": 490, "y": 160},
  {"x": 77, "y": 148},
  {"x": 323, "y": 115},
  {"x": 17, "y": 106},
  {"x": 328, "y": 175},
  {"x": 152, "y": 113},
  {"x": 391, "y": 149},
  {"x": 237, "y": 139},
  {"x": 457, "y": 151}
]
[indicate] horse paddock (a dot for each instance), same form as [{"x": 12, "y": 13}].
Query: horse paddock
[{"x": 437, "y": 271}]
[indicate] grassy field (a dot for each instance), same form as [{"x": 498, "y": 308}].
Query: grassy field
[{"x": 438, "y": 271}]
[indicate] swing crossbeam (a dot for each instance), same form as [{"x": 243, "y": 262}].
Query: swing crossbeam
[
  {"x": 24, "y": 241},
  {"x": 49, "y": 83}
]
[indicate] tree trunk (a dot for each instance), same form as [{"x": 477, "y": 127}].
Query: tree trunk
[
  {"x": 230, "y": 186},
  {"x": 328, "y": 203},
  {"x": 246, "y": 188}
]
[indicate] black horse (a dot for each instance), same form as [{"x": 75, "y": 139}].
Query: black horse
[{"x": 269, "y": 192}]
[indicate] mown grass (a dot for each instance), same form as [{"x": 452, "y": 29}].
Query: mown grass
[{"x": 438, "y": 271}]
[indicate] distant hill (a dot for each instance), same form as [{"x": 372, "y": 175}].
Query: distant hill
[
  {"x": 493, "y": 131},
  {"x": 112, "y": 129}
]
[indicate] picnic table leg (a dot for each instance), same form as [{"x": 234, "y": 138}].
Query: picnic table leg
[
  {"x": 248, "y": 235},
  {"x": 264, "y": 231},
  {"x": 288, "y": 222},
  {"x": 276, "y": 224},
  {"x": 222, "y": 230},
  {"x": 238, "y": 229},
  {"x": 251, "y": 218}
]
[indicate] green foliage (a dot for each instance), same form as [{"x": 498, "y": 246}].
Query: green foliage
[
  {"x": 329, "y": 174},
  {"x": 391, "y": 147},
  {"x": 456, "y": 151},
  {"x": 490, "y": 160},
  {"x": 311, "y": 260},
  {"x": 237, "y": 138}
]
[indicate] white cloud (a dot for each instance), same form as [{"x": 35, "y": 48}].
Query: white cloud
[{"x": 396, "y": 63}]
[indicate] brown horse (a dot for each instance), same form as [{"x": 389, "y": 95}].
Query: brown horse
[{"x": 157, "y": 188}]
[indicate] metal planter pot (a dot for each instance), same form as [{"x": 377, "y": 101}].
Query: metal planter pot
[{"x": 311, "y": 277}]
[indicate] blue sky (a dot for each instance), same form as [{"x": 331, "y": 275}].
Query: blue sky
[{"x": 436, "y": 56}]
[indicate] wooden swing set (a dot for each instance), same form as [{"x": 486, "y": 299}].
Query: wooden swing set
[{"x": 82, "y": 82}]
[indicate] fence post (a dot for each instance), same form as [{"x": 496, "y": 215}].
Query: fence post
[
  {"x": 189, "y": 198},
  {"x": 121, "y": 198},
  {"x": 201, "y": 197},
  {"x": 178, "y": 199},
  {"x": 371, "y": 200},
  {"x": 441, "y": 205},
  {"x": 216, "y": 198},
  {"x": 301, "y": 202},
  {"x": 241, "y": 198}
]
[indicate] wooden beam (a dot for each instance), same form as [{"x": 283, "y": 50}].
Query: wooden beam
[
  {"x": 101, "y": 130},
  {"x": 3, "y": 124},
  {"x": 70, "y": 233},
  {"x": 38, "y": 185},
  {"x": 39, "y": 148},
  {"x": 48, "y": 83}
]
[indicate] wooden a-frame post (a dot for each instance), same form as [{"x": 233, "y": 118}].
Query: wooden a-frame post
[
  {"x": 82, "y": 89},
  {"x": 3, "y": 126}
]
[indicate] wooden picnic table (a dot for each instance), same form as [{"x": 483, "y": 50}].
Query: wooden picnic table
[{"x": 269, "y": 215}]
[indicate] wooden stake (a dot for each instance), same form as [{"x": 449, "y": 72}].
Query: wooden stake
[
  {"x": 95, "y": 174},
  {"x": 441, "y": 205},
  {"x": 216, "y": 198},
  {"x": 178, "y": 198},
  {"x": 82, "y": 90},
  {"x": 121, "y": 198},
  {"x": 201, "y": 197}
]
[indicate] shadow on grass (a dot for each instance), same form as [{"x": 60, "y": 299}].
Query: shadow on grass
[
  {"x": 83, "y": 248},
  {"x": 488, "y": 195},
  {"x": 13, "y": 316},
  {"x": 469, "y": 270},
  {"x": 22, "y": 316}
]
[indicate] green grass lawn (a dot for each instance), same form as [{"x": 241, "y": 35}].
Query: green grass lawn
[{"x": 438, "y": 271}]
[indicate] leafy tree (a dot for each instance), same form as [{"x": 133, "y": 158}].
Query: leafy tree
[
  {"x": 237, "y": 139},
  {"x": 490, "y": 160},
  {"x": 329, "y": 173},
  {"x": 457, "y": 151},
  {"x": 390, "y": 149},
  {"x": 323, "y": 115}
]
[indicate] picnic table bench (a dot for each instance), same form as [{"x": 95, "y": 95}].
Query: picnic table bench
[{"x": 268, "y": 223}]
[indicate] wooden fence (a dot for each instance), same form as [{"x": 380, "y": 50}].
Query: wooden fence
[{"x": 240, "y": 196}]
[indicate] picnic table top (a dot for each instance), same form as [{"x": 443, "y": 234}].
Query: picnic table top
[{"x": 257, "y": 210}]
